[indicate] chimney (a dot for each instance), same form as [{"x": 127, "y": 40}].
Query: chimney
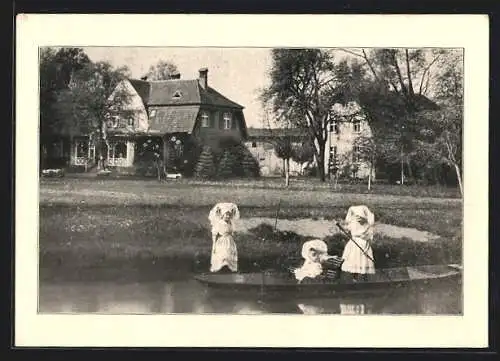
[
  {"x": 203, "y": 78},
  {"x": 175, "y": 75},
  {"x": 144, "y": 78}
]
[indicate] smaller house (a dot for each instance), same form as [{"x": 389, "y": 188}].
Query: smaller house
[{"x": 261, "y": 143}]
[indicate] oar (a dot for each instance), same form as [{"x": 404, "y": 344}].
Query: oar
[{"x": 348, "y": 234}]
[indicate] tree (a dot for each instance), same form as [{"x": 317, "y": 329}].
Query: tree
[
  {"x": 56, "y": 70},
  {"x": 303, "y": 154},
  {"x": 226, "y": 164},
  {"x": 205, "y": 168},
  {"x": 391, "y": 86},
  {"x": 249, "y": 164},
  {"x": 304, "y": 87},
  {"x": 440, "y": 138},
  {"x": 284, "y": 150},
  {"x": 366, "y": 152},
  {"x": 163, "y": 70},
  {"x": 92, "y": 101}
]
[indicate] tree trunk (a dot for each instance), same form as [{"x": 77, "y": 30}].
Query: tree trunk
[
  {"x": 408, "y": 165},
  {"x": 321, "y": 163},
  {"x": 287, "y": 172},
  {"x": 459, "y": 178},
  {"x": 370, "y": 174},
  {"x": 402, "y": 168}
]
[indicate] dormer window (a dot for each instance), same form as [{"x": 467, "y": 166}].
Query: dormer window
[
  {"x": 177, "y": 95},
  {"x": 227, "y": 120},
  {"x": 205, "y": 121}
]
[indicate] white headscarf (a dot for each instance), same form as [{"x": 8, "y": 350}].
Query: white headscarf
[
  {"x": 317, "y": 244},
  {"x": 220, "y": 209},
  {"x": 360, "y": 230},
  {"x": 310, "y": 268}
]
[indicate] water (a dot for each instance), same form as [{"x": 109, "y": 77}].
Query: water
[{"x": 185, "y": 295}]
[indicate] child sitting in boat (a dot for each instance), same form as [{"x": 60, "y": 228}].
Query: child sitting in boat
[
  {"x": 315, "y": 254},
  {"x": 358, "y": 253},
  {"x": 224, "y": 251}
]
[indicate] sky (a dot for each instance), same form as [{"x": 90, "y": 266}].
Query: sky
[{"x": 237, "y": 73}]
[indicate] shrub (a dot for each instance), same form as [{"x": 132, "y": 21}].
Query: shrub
[
  {"x": 227, "y": 164},
  {"x": 205, "y": 168}
]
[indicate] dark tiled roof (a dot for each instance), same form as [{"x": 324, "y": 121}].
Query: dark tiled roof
[
  {"x": 142, "y": 88},
  {"x": 212, "y": 97},
  {"x": 178, "y": 119},
  {"x": 276, "y": 132},
  {"x": 162, "y": 93}
]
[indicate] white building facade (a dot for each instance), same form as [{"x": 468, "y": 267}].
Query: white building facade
[{"x": 347, "y": 127}]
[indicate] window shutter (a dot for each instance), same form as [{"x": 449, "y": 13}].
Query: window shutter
[
  {"x": 233, "y": 122},
  {"x": 213, "y": 119},
  {"x": 221, "y": 120}
]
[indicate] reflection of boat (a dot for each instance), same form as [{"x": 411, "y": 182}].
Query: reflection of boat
[{"x": 265, "y": 282}]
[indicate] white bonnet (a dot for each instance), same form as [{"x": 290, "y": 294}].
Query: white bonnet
[
  {"x": 220, "y": 209},
  {"x": 361, "y": 211},
  {"x": 317, "y": 244}
]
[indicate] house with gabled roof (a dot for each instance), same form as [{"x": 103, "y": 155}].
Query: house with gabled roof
[{"x": 169, "y": 115}]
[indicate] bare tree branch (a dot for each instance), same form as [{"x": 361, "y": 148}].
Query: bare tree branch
[{"x": 426, "y": 70}]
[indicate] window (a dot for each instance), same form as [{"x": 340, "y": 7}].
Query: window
[
  {"x": 227, "y": 120},
  {"x": 357, "y": 126},
  {"x": 334, "y": 127},
  {"x": 254, "y": 144},
  {"x": 117, "y": 154},
  {"x": 205, "y": 121},
  {"x": 82, "y": 149},
  {"x": 130, "y": 122}
]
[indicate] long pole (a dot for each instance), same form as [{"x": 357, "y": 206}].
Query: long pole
[
  {"x": 276, "y": 218},
  {"x": 362, "y": 250}
]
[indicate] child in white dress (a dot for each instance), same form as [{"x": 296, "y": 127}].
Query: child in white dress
[
  {"x": 224, "y": 251},
  {"x": 314, "y": 253},
  {"x": 359, "y": 222}
]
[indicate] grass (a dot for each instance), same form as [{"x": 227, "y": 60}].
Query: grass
[
  {"x": 96, "y": 223},
  {"x": 275, "y": 183}
]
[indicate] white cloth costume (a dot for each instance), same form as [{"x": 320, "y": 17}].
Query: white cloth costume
[
  {"x": 355, "y": 261},
  {"x": 311, "y": 268},
  {"x": 224, "y": 251}
]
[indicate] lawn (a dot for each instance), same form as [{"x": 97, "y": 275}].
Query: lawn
[{"x": 99, "y": 223}]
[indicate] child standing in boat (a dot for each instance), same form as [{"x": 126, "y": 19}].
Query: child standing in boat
[
  {"x": 358, "y": 253},
  {"x": 224, "y": 251}
]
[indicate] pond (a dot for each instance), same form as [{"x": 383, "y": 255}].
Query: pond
[{"x": 185, "y": 295}]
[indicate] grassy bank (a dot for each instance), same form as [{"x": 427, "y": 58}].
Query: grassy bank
[{"x": 89, "y": 224}]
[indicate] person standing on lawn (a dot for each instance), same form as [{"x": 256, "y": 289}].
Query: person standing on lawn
[
  {"x": 358, "y": 253},
  {"x": 224, "y": 251}
]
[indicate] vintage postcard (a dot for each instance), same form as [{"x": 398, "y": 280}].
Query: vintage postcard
[{"x": 276, "y": 181}]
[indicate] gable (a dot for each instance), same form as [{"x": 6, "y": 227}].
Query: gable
[{"x": 135, "y": 103}]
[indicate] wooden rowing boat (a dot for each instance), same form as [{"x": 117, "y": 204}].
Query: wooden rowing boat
[{"x": 285, "y": 282}]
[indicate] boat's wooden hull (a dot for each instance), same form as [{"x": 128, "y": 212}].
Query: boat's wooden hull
[{"x": 271, "y": 282}]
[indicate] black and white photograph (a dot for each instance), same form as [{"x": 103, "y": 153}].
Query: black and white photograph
[{"x": 250, "y": 180}]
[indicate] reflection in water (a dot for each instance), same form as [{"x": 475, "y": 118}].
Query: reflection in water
[
  {"x": 188, "y": 296},
  {"x": 352, "y": 309}
]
